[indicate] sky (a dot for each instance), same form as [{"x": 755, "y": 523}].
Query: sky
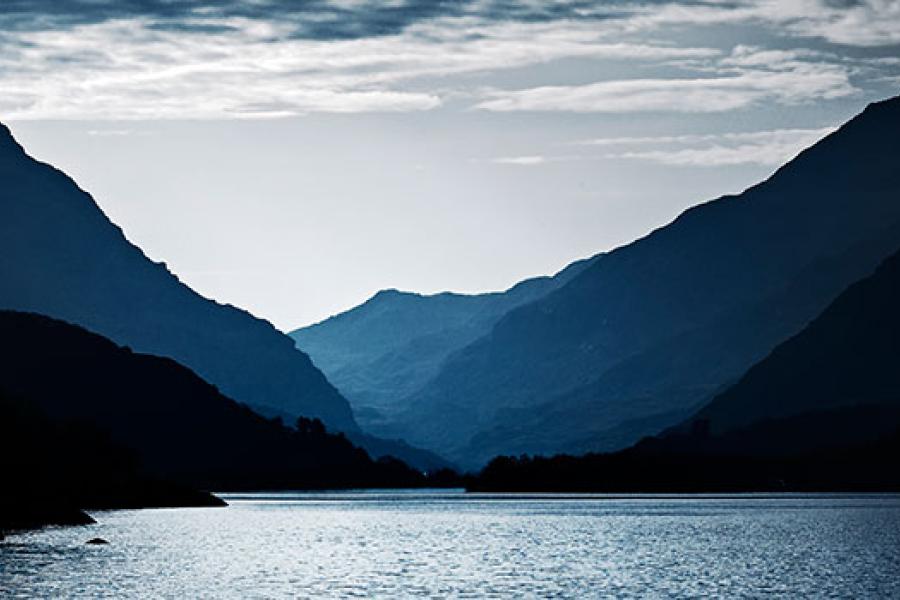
[{"x": 295, "y": 157}]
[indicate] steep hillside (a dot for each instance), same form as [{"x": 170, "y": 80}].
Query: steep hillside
[
  {"x": 695, "y": 278},
  {"x": 61, "y": 256},
  {"x": 690, "y": 367},
  {"x": 178, "y": 427},
  {"x": 821, "y": 412},
  {"x": 849, "y": 356},
  {"x": 383, "y": 350}
]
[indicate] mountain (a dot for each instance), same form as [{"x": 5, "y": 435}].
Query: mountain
[
  {"x": 820, "y": 412},
  {"x": 575, "y": 423},
  {"x": 61, "y": 256},
  {"x": 847, "y": 357},
  {"x": 388, "y": 347},
  {"x": 177, "y": 427},
  {"x": 649, "y": 332}
]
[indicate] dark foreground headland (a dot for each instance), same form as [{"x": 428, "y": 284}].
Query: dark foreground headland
[{"x": 86, "y": 424}]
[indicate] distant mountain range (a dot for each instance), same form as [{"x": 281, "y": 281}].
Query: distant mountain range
[
  {"x": 659, "y": 335},
  {"x": 643, "y": 336},
  {"x": 380, "y": 352},
  {"x": 820, "y": 412}
]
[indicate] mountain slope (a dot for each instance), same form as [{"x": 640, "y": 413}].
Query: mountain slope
[
  {"x": 820, "y": 412},
  {"x": 620, "y": 407},
  {"x": 716, "y": 262},
  {"x": 61, "y": 256},
  {"x": 849, "y": 356},
  {"x": 388, "y": 347},
  {"x": 179, "y": 427}
]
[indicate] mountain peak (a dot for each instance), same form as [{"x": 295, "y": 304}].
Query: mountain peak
[
  {"x": 61, "y": 256},
  {"x": 7, "y": 141}
]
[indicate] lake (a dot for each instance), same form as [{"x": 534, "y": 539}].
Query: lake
[{"x": 401, "y": 544}]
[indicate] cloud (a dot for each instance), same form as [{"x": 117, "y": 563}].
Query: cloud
[
  {"x": 110, "y": 132},
  {"x": 766, "y": 148},
  {"x": 199, "y": 59},
  {"x": 522, "y": 161},
  {"x": 745, "y": 78},
  {"x": 125, "y": 69},
  {"x": 853, "y": 22},
  {"x": 310, "y": 19},
  {"x": 866, "y": 23}
]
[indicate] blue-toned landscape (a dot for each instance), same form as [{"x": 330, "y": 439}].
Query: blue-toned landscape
[{"x": 476, "y": 299}]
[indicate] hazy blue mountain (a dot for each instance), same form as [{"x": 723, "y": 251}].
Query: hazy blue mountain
[
  {"x": 61, "y": 256},
  {"x": 388, "y": 347},
  {"x": 820, "y": 412},
  {"x": 172, "y": 424},
  {"x": 690, "y": 367},
  {"x": 656, "y": 327}
]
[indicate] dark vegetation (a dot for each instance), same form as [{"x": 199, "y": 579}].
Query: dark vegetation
[
  {"x": 89, "y": 424},
  {"x": 53, "y": 469},
  {"x": 751, "y": 460},
  {"x": 820, "y": 413}
]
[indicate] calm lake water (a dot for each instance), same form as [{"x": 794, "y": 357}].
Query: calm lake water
[{"x": 449, "y": 544}]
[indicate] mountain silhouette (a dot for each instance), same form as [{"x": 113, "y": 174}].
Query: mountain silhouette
[
  {"x": 847, "y": 357},
  {"x": 178, "y": 427},
  {"x": 388, "y": 347},
  {"x": 688, "y": 366},
  {"x": 61, "y": 256},
  {"x": 820, "y": 412},
  {"x": 651, "y": 331}
]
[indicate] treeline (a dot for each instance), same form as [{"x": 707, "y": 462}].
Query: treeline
[
  {"x": 88, "y": 424},
  {"x": 762, "y": 458},
  {"x": 51, "y": 470}
]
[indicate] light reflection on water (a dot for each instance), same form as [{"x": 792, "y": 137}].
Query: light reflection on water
[{"x": 400, "y": 544}]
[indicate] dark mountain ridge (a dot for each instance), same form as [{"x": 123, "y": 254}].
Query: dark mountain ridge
[
  {"x": 179, "y": 428},
  {"x": 848, "y": 356},
  {"x": 665, "y": 298},
  {"x": 691, "y": 367},
  {"x": 61, "y": 256},
  {"x": 820, "y": 412}
]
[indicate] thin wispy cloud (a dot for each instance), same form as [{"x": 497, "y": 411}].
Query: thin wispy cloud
[
  {"x": 745, "y": 77},
  {"x": 867, "y": 23},
  {"x": 521, "y": 161},
  {"x": 766, "y": 148},
  {"x": 763, "y": 148}
]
